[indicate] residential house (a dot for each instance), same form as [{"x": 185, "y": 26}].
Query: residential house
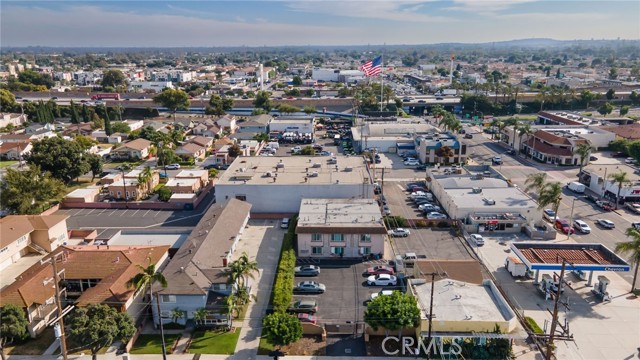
[
  {"x": 14, "y": 150},
  {"x": 255, "y": 124},
  {"x": 78, "y": 129},
  {"x": 14, "y": 119},
  {"x": 228, "y": 123},
  {"x": 184, "y": 124},
  {"x": 545, "y": 146},
  {"x": 102, "y": 137},
  {"x": 205, "y": 142},
  {"x": 207, "y": 128},
  {"x": 340, "y": 228},
  {"x": 88, "y": 275},
  {"x": 200, "y": 175},
  {"x": 153, "y": 181},
  {"x": 110, "y": 178},
  {"x": 191, "y": 151},
  {"x": 128, "y": 189},
  {"x": 183, "y": 186},
  {"x": 22, "y": 234},
  {"x": 135, "y": 124},
  {"x": 17, "y": 138},
  {"x": 197, "y": 274},
  {"x": 133, "y": 150},
  {"x": 37, "y": 128},
  {"x": 84, "y": 195}
]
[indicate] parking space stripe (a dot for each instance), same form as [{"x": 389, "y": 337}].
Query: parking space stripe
[
  {"x": 135, "y": 212},
  {"x": 124, "y": 212},
  {"x": 92, "y": 210},
  {"x": 145, "y": 214}
]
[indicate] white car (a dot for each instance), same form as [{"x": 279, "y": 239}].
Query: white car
[
  {"x": 296, "y": 149},
  {"x": 436, "y": 216},
  {"x": 476, "y": 239},
  {"x": 433, "y": 208},
  {"x": 172, "y": 167},
  {"x": 606, "y": 223},
  {"x": 412, "y": 163},
  {"x": 630, "y": 160},
  {"x": 497, "y": 160},
  {"x": 386, "y": 210},
  {"x": 399, "y": 232},
  {"x": 381, "y": 293},
  {"x": 549, "y": 215},
  {"x": 581, "y": 226},
  {"x": 381, "y": 280}
]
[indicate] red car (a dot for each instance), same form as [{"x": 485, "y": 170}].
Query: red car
[
  {"x": 308, "y": 318},
  {"x": 564, "y": 226},
  {"x": 380, "y": 269}
]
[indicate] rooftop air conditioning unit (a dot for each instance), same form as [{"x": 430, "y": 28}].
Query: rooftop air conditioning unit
[
  {"x": 477, "y": 190},
  {"x": 348, "y": 169},
  {"x": 280, "y": 165},
  {"x": 317, "y": 165},
  {"x": 489, "y": 201}
]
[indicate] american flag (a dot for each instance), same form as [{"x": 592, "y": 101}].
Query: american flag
[{"x": 372, "y": 67}]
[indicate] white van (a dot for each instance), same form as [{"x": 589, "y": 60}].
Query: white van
[{"x": 285, "y": 223}]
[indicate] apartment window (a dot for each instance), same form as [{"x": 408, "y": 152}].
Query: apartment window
[
  {"x": 337, "y": 237},
  {"x": 316, "y": 237},
  {"x": 365, "y": 250},
  {"x": 337, "y": 250},
  {"x": 168, "y": 298},
  {"x": 316, "y": 250},
  {"x": 365, "y": 237}
]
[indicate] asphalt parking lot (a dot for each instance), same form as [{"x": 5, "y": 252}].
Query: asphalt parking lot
[{"x": 344, "y": 300}]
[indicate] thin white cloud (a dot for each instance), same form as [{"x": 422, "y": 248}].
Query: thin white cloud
[{"x": 405, "y": 11}]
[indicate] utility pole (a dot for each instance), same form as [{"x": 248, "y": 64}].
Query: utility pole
[
  {"x": 164, "y": 346},
  {"x": 573, "y": 204},
  {"x": 60, "y": 318},
  {"x": 554, "y": 315},
  {"x": 433, "y": 279}
]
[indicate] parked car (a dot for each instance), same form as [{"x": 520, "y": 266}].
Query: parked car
[
  {"x": 308, "y": 318},
  {"x": 307, "y": 270},
  {"x": 635, "y": 207},
  {"x": 380, "y": 269},
  {"x": 399, "y": 232},
  {"x": 636, "y": 225},
  {"x": 436, "y": 216},
  {"x": 607, "y": 224},
  {"x": 382, "y": 280},
  {"x": 412, "y": 163},
  {"x": 549, "y": 214},
  {"x": 381, "y": 293},
  {"x": 468, "y": 136},
  {"x": 172, "y": 167},
  {"x": 386, "y": 210},
  {"x": 497, "y": 160},
  {"x": 564, "y": 226},
  {"x": 630, "y": 160},
  {"x": 429, "y": 207},
  {"x": 511, "y": 152},
  {"x": 284, "y": 224},
  {"x": 593, "y": 158},
  {"x": 421, "y": 167},
  {"x": 591, "y": 198},
  {"x": 604, "y": 205},
  {"x": 309, "y": 287},
  {"x": 304, "y": 306},
  {"x": 581, "y": 226},
  {"x": 476, "y": 239}
]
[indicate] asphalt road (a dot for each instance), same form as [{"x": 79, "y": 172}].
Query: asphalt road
[{"x": 517, "y": 168}]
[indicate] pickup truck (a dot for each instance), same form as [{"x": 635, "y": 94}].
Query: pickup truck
[
  {"x": 604, "y": 205},
  {"x": 634, "y": 207}
]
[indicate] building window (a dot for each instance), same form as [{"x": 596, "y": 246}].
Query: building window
[
  {"x": 241, "y": 197},
  {"x": 168, "y": 298},
  {"x": 316, "y": 250},
  {"x": 365, "y": 250},
  {"x": 365, "y": 237},
  {"x": 337, "y": 250},
  {"x": 337, "y": 237},
  {"x": 316, "y": 237}
]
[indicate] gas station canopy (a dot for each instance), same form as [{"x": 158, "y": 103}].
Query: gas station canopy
[{"x": 585, "y": 257}]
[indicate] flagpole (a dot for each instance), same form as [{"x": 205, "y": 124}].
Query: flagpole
[{"x": 381, "y": 80}]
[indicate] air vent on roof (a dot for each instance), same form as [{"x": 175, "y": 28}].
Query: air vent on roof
[
  {"x": 477, "y": 190},
  {"x": 348, "y": 169},
  {"x": 280, "y": 165},
  {"x": 489, "y": 201}
]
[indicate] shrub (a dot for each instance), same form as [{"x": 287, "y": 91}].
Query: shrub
[
  {"x": 533, "y": 325},
  {"x": 395, "y": 221},
  {"x": 421, "y": 223},
  {"x": 443, "y": 224},
  {"x": 164, "y": 194},
  {"x": 282, "y": 293}
]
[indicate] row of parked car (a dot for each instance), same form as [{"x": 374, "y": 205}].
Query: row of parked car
[
  {"x": 425, "y": 202},
  {"x": 578, "y": 225}
]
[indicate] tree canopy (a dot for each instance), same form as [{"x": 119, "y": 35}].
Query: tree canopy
[
  {"x": 219, "y": 105},
  {"x": 281, "y": 329},
  {"x": 113, "y": 78},
  {"x": 263, "y": 101},
  {"x": 29, "y": 191},
  {"x": 173, "y": 100},
  {"x": 392, "y": 312},
  {"x": 64, "y": 159},
  {"x": 13, "y": 325}
]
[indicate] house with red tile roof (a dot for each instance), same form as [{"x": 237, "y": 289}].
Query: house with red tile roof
[{"x": 547, "y": 147}]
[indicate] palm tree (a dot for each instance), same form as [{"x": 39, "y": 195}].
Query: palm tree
[
  {"x": 242, "y": 269},
  {"x": 199, "y": 316},
  {"x": 524, "y": 130},
  {"x": 551, "y": 194},
  {"x": 144, "y": 178},
  {"x": 177, "y": 314},
  {"x": 583, "y": 150},
  {"x": 620, "y": 178},
  {"x": 535, "y": 182},
  {"x": 632, "y": 247},
  {"x": 445, "y": 152}
]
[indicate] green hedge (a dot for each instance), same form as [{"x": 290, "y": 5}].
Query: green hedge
[
  {"x": 282, "y": 292},
  {"x": 393, "y": 222},
  {"x": 533, "y": 325}
]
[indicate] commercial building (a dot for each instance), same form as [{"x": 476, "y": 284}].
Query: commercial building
[
  {"x": 328, "y": 75},
  {"x": 300, "y": 125},
  {"x": 483, "y": 204},
  {"x": 340, "y": 228},
  {"x": 278, "y": 184},
  {"x": 598, "y": 179},
  {"x": 598, "y": 137},
  {"x": 554, "y": 147},
  {"x": 389, "y": 137},
  {"x": 442, "y": 148}
]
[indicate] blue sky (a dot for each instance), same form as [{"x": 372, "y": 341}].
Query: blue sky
[{"x": 349, "y": 22}]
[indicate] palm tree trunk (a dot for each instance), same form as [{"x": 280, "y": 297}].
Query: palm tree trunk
[
  {"x": 618, "y": 196},
  {"x": 635, "y": 277}
]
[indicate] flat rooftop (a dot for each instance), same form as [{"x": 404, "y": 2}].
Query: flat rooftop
[
  {"x": 173, "y": 239},
  {"x": 469, "y": 182},
  {"x": 543, "y": 256},
  {"x": 611, "y": 169},
  {"x": 458, "y": 301},
  {"x": 316, "y": 214},
  {"x": 295, "y": 170},
  {"x": 503, "y": 197},
  {"x": 191, "y": 173}
]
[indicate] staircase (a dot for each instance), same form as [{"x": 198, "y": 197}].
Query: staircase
[{"x": 38, "y": 249}]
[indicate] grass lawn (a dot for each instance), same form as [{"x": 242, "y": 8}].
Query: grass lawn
[
  {"x": 264, "y": 347},
  {"x": 214, "y": 342},
  {"x": 4, "y": 164},
  {"x": 152, "y": 344},
  {"x": 35, "y": 346}
]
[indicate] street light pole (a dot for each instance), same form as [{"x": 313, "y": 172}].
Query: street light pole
[{"x": 573, "y": 204}]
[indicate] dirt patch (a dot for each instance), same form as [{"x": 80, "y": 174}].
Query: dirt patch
[
  {"x": 374, "y": 347},
  {"x": 308, "y": 345}
]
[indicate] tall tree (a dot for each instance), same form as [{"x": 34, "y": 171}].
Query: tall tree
[
  {"x": 85, "y": 114},
  {"x": 624, "y": 110},
  {"x": 632, "y": 247},
  {"x": 220, "y": 105},
  {"x": 7, "y": 101},
  {"x": 173, "y": 100},
  {"x": 263, "y": 101},
  {"x": 587, "y": 97},
  {"x": 620, "y": 178},
  {"x": 13, "y": 326},
  {"x": 551, "y": 194},
  {"x": 241, "y": 270},
  {"x": 64, "y": 159},
  {"x": 97, "y": 325},
  {"x": 281, "y": 329},
  {"x": 583, "y": 150},
  {"x": 29, "y": 191},
  {"x": 107, "y": 122},
  {"x": 611, "y": 93},
  {"x": 75, "y": 119},
  {"x": 393, "y": 312},
  {"x": 113, "y": 78},
  {"x": 95, "y": 164},
  {"x": 535, "y": 182},
  {"x": 525, "y": 131}
]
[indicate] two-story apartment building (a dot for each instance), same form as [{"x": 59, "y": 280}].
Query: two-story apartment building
[
  {"x": 255, "y": 124},
  {"x": 22, "y": 234},
  {"x": 340, "y": 228},
  {"x": 197, "y": 274}
]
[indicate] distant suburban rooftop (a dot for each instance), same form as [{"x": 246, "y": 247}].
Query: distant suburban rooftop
[
  {"x": 293, "y": 170},
  {"x": 182, "y": 182},
  {"x": 544, "y": 256},
  {"x": 504, "y": 198},
  {"x": 338, "y": 215},
  {"x": 82, "y": 192}
]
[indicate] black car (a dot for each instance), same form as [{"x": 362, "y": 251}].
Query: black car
[
  {"x": 421, "y": 167},
  {"x": 592, "y": 158},
  {"x": 591, "y": 198},
  {"x": 511, "y": 152},
  {"x": 468, "y": 136}
]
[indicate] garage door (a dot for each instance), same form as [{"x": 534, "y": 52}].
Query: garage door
[{"x": 5, "y": 264}]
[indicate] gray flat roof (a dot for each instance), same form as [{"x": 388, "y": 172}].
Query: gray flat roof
[
  {"x": 466, "y": 182},
  {"x": 254, "y": 170},
  {"x": 457, "y": 301},
  {"x": 173, "y": 239},
  {"x": 349, "y": 213},
  {"x": 504, "y": 198}
]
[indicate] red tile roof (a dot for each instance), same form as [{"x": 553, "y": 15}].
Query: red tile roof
[
  {"x": 631, "y": 131},
  {"x": 548, "y": 149}
]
